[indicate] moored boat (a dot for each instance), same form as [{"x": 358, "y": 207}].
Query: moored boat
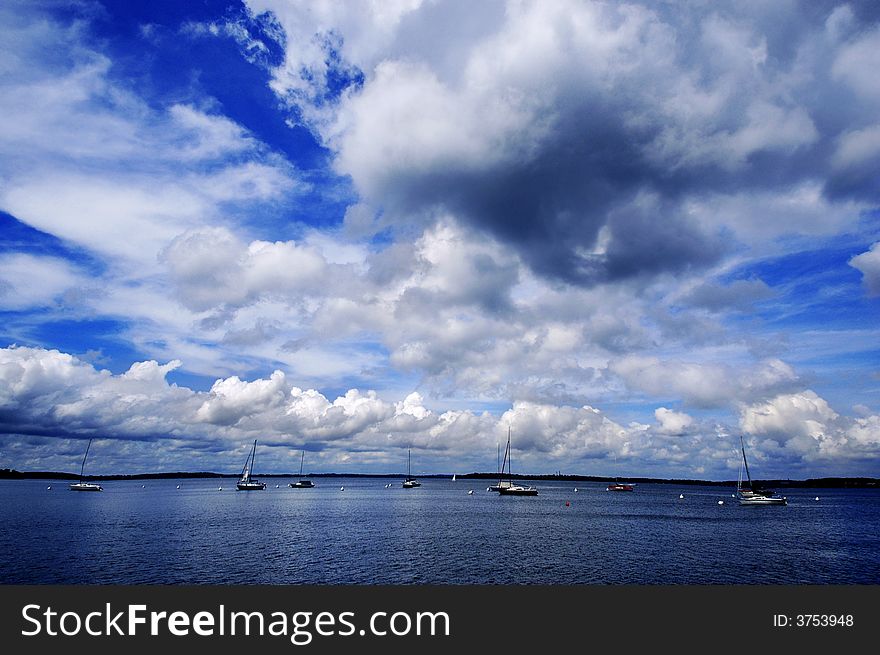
[
  {"x": 82, "y": 485},
  {"x": 752, "y": 494},
  {"x": 247, "y": 483},
  {"x": 410, "y": 482},
  {"x": 302, "y": 483},
  {"x": 507, "y": 487}
]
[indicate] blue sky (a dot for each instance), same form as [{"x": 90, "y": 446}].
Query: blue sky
[{"x": 629, "y": 232}]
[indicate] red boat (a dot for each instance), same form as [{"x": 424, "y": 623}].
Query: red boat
[{"x": 619, "y": 486}]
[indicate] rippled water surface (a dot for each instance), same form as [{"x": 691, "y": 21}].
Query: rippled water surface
[{"x": 139, "y": 532}]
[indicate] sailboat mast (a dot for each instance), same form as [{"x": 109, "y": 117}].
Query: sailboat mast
[
  {"x": 505, "y": 461},
  {"x": 745, "y": 461},
  {"x": 83, "y": 465},
  {"x": 301, "y": 461}
]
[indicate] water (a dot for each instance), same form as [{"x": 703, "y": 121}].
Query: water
[{"x": 368, "y": 534}]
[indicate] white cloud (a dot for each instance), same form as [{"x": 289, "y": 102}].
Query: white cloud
[
  {"x": 703, "y": 384},
  {"x": 28, "y": 281},
  {"x": 672, "y": 422},
  {"x": 49, "y": 392},
  {"x": 805, "y": 425},
  {"x": 857, "y": 62},
  {"x": 869, "y": 265},
  {"x": 232, "y": 399}
]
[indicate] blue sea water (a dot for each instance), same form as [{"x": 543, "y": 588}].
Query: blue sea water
[{"x": 150, "y": 532}]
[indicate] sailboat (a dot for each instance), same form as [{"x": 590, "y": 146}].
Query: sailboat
[
  {"x": 302, "y": 484},
  {"x": 506, "y": 487},
  {"x": 246, "y": 483},
  {"x": 85, "y": 486},
  {"x": 410, "y": 482},
  {"x": 501, "y": 483},
  {"x": 751, "y": 495}
]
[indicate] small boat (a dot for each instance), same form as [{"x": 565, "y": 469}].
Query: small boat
[
  {"x": 410, "y": 482},
  {"x": 302, "y": 484},
  {"x": 82, "y": 485},
  {"x": 246, "y": 483},
  {"x": 507, "y": 487},
  {"x": 453, "y": 477},
  {"x": 751, "y": 494},
  {"x": 620, "y": 486}
]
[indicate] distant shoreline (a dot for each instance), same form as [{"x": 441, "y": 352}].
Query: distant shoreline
[{"x": 819, "y": 483}]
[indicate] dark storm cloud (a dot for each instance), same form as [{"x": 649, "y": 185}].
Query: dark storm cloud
[{"x": 686, "y": 102}]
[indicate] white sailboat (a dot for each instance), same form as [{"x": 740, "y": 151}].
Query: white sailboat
[
  {"x": 502, "y": 484},
  {"x": 410, "y": 482},
  {"x": 81, "y": 485},
  {"x": 302, "y": 484},
  {"x": 511, "y": 489},
  {"x": 751, "y": 495},
  {"x": 246, "y": 483}
]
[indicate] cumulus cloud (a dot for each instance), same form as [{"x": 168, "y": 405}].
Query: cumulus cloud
[
  {"x": 47, "y": 392},
  {"x": 672, "y": 422},
  {"x": 806, "y": 425},
  {"x": 581, "y": 135},
  {"x": 869, "y": 265},
  {"x": 212, "y": 267}
]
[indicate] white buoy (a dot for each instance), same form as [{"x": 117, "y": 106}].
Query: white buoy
[
  {"x": 470, "y": 492},
  {"x": 219, "y": 488},
  {"x": 276, "y": 486},
  {"x": 576, "y": 490},
  {"x": 341, "y": 488},
  {"x": 178, "y": 486},
  {"x": 720, "y": 502},
  {"x": 680, "y": 496},
  {"x": 50, "y": 489},
  {"x": 817, "y": 497},
  {"x": 143, "y": 486}
]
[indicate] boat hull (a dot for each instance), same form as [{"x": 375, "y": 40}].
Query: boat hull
[
  {"x": 764, "y": 501},
  {"x": 518, "y": 491},
  {"x": 620, "y": 487},
  {"x": 411, "y": 484},
  {"x": 250, "y": 486},
  {"x": 302, "y": 484},
  {"x": 85, "y": 486}
]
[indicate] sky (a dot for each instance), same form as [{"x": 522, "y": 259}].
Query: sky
[{"x": 629, "y": 233}]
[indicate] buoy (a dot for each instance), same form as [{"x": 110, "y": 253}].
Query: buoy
[
  {"x": 567, "y": 504},
  {"x": 143, "y": 486},
  {"x": 50, "y": 489},
  {"x": 817, "y": 497},
  {"x": 341, "y": 488},
  {"x": 488, "y": 488},
  {"x": 576, "y": 490},
  {"x": 680, "y": 496},
  {"x": 720, "y": 502},
  {"x": 178, "y": 486},
  {"x": 219, "y": 488},
  {"x": 276, "y": 486},
  {"x": 470, "y": 492}
]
